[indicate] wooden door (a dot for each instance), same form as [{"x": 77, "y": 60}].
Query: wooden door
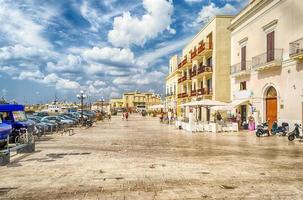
[
  {"x": 271, "y": 111},
  {"x": 243, "y": 58},
  {"x": 270, "y": 46}
]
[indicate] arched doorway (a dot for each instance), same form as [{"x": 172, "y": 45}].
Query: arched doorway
[{"x": 271, "y": 106}]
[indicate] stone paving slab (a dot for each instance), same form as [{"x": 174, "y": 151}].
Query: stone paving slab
[{"x": 143, "y": 159}]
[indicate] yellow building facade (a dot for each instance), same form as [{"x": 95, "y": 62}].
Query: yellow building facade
[
  {"x": 116, "y": 103},
  {"x": 171, "y": 82},
  {"x": 136, "y": 100},
  {"x": 204, "y": 68},
  {"x": 140, "y": 100}
]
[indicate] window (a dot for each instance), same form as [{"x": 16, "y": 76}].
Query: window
[
  {"x": 243, "y": 58},
  {"x": 210, "y": 62},
  {"x": 5, "y": 116},
  {"x": 270, "y": 46},
  {"x": 243, "y": 85},
  {"x": 19, "y": 116}
]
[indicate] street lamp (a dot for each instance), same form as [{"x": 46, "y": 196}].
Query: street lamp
[
  {"x": 81, "y": 96},
  {"x": 102, "y": 101}
]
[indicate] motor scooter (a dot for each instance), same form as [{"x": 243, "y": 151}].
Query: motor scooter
[
  {"x": 295, "y": 133},
  {"x": 262, "y": 130},
  {"x": 280, "y": 130}
]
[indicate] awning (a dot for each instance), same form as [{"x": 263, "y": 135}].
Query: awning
[
  {"x": 232, "y": 105},
  {"x": 205, "y": 103}
]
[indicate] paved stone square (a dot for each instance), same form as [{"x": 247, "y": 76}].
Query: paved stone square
[{"x": 143, "y": 159}]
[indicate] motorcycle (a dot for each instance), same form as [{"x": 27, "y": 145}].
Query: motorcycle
[
  {"x": 262, "y": 130},
  {"x": 295, "y": 133},
  {"x": 280, "y": 130},
  {"x": 87, "y": 123}
]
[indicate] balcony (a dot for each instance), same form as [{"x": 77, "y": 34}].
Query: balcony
[
  {"x": 203, "y": 49},
  {"x": 193, "y": 93},
  {"x": 205, "y": 91},
  {"x": 182, "y": 95},
  {"x": 183, "y": 63},
  {"x": 296, "y": 49},
  {"x": 268, "y": 60},
  {"x": 241, "y": 69},
  {"x": 182, "y": 79},
  {"x": 193, "y": 72},
  {"x": 193, "y": 54},
  {"x": 204, "y": 69}
]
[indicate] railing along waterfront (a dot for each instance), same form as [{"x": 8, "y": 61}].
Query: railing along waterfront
[
  {"x": 267, "y": 57},
  {"x": 240, "y": 67},
  {"x": 296, "y": 48}
]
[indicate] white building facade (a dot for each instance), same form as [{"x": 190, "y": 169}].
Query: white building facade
[{"x": 267, "y": 61}]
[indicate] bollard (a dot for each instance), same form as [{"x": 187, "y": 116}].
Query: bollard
[
  {"x": 28, "y": 148},
  {"x": 4, "y": 158}
]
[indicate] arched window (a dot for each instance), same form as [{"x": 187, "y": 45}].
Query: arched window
[{"x": 271, "y": 92}]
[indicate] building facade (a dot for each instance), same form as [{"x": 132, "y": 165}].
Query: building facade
[
  {"x": 171, "y": 82},
  {"x": 267, "y": 61},
  {"x": 140, "y": 100},
  {"x": 116, "y": 103},
  {"x": 205, "y": 66}
]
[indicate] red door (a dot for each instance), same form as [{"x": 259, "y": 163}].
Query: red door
[
  {"x": 271, "y": 111},
  {"x": 270, "y": 46}
]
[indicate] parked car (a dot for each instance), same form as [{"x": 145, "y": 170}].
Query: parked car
[
  {"x": 5, "y": 131},
  {"x": 14, "y": 115}
]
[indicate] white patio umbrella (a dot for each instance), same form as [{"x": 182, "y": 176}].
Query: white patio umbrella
[{"x": 207, "y": 103}]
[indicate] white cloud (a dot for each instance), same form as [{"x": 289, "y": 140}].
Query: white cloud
[
  {"x": 193, "y": 1},
  {"x": 70, "y": 63},
  {"x": 207, "y": 12},
  {"x": 109, "y": 54},
  {"x": 165, "y": 49},
  {"x": 60, "y": 83},
  {"x": 19, "y": 28},
  {"x": 24, "y": 52},
  {"x": 128, "y": 29}
]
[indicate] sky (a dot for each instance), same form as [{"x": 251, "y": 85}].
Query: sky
[{"x": 103, "y": 47}]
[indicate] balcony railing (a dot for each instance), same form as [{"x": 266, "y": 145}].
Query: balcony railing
[
  {"x": 184, "y": 78},
  {"x": 182, "y": 95},
  {"x": 193, "y": 54},
  {"x": 267, "y": 58},
  {"x": 296, "y": 48},
  {"x": 205, "y": 91},
  {"x": 193, "y": 72},
  {"x": 204, "y": 46},
  {"x": 169, "y": 94},
  {"x": 182, "y": 63},
  {"x": 193, "y": 93},
  {"x": 240, "y": 67},
  {"x": 203, "y": 68}
]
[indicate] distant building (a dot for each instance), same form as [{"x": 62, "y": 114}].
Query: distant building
[
  {"x": 116, "y": 103},
  {"x": 266, "y": 61},
  {"x": 136, "y": 100}
]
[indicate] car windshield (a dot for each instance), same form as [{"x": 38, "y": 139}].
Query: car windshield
[
  {"x": 19, "y": 116},
  {"x": 0, "y": 120}
]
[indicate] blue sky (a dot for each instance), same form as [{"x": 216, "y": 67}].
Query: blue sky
[{"x": 104, "y": 47}]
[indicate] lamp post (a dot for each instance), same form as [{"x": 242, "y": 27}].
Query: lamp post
[
  {"x": 102, "y": 101},
  {"x": 81, "y": 96}
]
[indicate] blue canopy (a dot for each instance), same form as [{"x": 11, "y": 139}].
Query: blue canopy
[{"x": 11, "y": 107}]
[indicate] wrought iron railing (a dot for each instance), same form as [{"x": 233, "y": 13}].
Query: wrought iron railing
[
  {"x": 267, "y": 57},
  {"x": 296, "y": 48},
  {"x": 240, "y": 67}
]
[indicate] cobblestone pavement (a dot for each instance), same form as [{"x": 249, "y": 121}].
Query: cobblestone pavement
[{"x": 143, "y": 159}]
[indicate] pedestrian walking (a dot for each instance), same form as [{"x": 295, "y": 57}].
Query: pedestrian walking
[
  {"x": 126, "y": 116},
  {"x": 109, "y": 116},
  {"x": 169, "y": 115},
  {"x": 238, "y": 118}
]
